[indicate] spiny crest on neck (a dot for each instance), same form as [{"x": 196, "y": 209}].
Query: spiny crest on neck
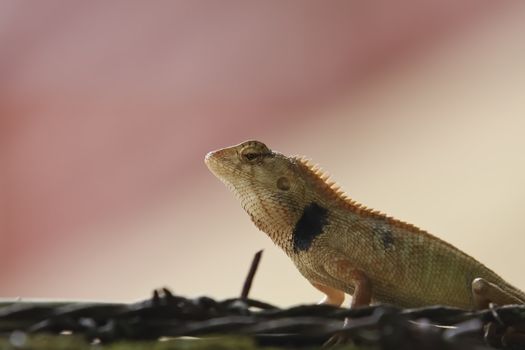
[{"x": 322, "y": 180}]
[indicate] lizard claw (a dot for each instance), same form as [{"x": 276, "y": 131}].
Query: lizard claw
[
  {"x": 338, "y": 339},
  {"x": 341, "y": 337}
]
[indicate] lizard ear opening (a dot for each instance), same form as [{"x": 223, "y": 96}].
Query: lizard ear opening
[{"x": 283, "y": 183}]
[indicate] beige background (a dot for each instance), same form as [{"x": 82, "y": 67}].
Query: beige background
[{"x": 109, "y": 109}]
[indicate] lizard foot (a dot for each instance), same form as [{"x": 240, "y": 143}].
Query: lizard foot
[
  {"x": 338, "y": 339},
  {"x": 342, "y": 337}
]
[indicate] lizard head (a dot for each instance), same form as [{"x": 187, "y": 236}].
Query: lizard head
[{"x": 267, "y": 183}]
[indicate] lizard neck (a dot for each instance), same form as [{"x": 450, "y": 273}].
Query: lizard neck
[
  {"x": 280, "y": 233},
  {"x": 277, "y": 224},
  {"x": 294, "y": 227},
  {"x": 281, "y": 237}
]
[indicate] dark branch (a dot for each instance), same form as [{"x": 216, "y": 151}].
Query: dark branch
[{"x": 251, "y": 274}]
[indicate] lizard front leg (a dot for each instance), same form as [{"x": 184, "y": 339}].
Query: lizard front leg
[
  {"x": 333, "y": 296},
  {"x": 342, "y": 270}
]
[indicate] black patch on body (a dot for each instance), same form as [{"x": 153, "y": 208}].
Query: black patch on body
[
  {"x": 309, "y": 226},
  {"x": 387, "y": 237}
]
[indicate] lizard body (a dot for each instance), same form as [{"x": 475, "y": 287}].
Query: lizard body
[{"x": 341, "y": 246}]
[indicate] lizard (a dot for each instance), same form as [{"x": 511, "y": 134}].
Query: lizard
[{"x": 340, "y": 246}]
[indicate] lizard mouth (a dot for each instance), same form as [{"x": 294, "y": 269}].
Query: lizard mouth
[
  {"x": 217, "y": 162},
  {"x": 208, "y": 158},
  {"x": 211, "y": 162}
]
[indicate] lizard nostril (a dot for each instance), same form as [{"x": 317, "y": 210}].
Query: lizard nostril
[{"x": 209, "y": 157}]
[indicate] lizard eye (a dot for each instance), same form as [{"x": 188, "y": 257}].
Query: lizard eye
[
  {"x": 253, "y": 151},
  {"x": 251, "y": 156}
]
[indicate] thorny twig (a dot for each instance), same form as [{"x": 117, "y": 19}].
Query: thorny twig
[
  {"x": 169, "y": 315},
  {"x": 251, "y": 274}
]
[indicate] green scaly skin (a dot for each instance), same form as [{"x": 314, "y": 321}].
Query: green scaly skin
[{"x": 328, "y": 236}]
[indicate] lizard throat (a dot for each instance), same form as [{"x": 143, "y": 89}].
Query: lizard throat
[
  {"x": 277, "y": 224},
  {"x": 293, "y": 232}
]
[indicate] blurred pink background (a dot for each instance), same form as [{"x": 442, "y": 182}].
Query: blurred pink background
[{"x": 108, "y": 108}]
